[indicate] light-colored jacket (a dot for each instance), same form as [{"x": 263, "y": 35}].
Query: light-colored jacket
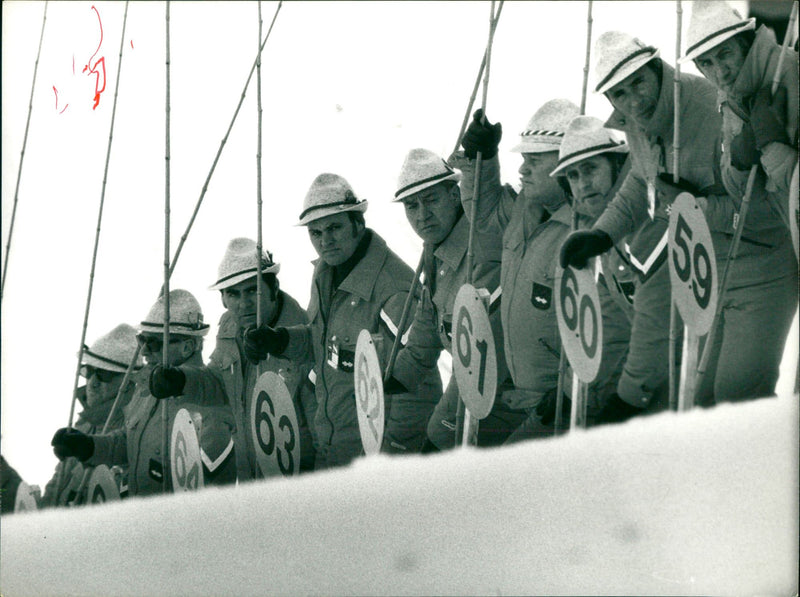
[
  {"x": 449, "y": 269},
  {"x": 371, "y": 297},
  {"x": 530, "y": 254},
  {"x": 239, "y": 378},
  {"x": 778, "y": 160},
  {"x": 139, "y": 443},
  {"x": 651, "y": 152}
]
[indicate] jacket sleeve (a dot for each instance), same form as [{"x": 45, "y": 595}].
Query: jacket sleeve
[
  {"x": 421, "y": 353},
  {"x": 779, "y": 163},
  {"x": 627, "y": 210},
  {"x": 495, "y": 200},
  {"x": 301, "y": 347},
  {"x": 110, "y": 449}
]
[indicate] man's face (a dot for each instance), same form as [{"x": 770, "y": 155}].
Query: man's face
[
  {"x": 636, "y": 96},
  {"x": 241, "y": 300},
  {"x": 180, "y": 348},
  {"x": 590, "y": 180},
  {"x": 335, "y": 238},
  {"x": 537, "y": 184},
  {"x": 722, "y": 63},
  {"x": 102, "y": 385},
  {"x": 433, "y": 212}
]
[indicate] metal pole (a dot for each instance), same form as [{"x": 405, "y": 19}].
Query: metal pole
[
  {"x": 259, "y": 237},
  {"x": 676, "y": 143},
  {"x": 588, "y": 55}
]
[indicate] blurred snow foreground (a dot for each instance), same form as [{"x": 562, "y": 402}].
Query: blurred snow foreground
[{"x": 704, "y": 502}]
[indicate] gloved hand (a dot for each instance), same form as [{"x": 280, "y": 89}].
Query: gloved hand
[
  {"x": 166, "y": 381},
  {"x": 392, "y": 386},
  {"x": 668, "y": 190},
  {"x": 69, "y": 442},
  {"x": 259, "y": 342},
  {"x": 583, "y": 244},
  {"x": 617, "y": 410},
  {"x": 546, "y": 409},
  {"x": 744, "y": 153},
  {"x": 483, "y": 137},
  {"x": 768, "y": 117}
]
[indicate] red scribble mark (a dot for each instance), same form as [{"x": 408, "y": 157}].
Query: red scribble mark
[
  {"x": 92, "y": 68},
  {"x": 56, "y": 92},
  {"x": 131, "y": 44}
]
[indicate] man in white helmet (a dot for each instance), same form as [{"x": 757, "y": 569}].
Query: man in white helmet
[
  {"x": 532, "y": 225},
  {"x": 103, "y": 367},
  {"x": 428, "y": 189},
  {"x": 138, "y": 443},
  {"x": 358, "y": 283},
  {"x": 237, "y": 283}
]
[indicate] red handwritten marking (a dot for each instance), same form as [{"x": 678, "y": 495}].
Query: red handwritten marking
[
  {"x": 65, "y": 107},
  {"x": 93, "y": 68},
  {"x": 131, "y": 44}
]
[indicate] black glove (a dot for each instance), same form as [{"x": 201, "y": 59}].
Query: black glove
[
  {"x": 259, "y": 342},
  {"x": 617, "y": 410},
  {"x": 583, "y": 244},
  {"x": 483, "y": 137},
  {"x": 69, "y": 442},
  {"x": 669, "y": 190},
  {"x": 392, "y": 386},
  {"x": 768, "y": 117},
  {"x": 546, "y": 409},
  {"x": 744, "y": 153},
  {"x": 166, "y": 381}
]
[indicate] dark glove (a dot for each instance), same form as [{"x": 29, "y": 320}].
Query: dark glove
[
  {"x": 768, "y": 117},
  {"x": 259, "y": 342},
  {"x": 668, "y": 190},
  {"x": 546, "y": 409},
  {"x": 617, "y": 410},
  {"x": 166, "y": 381},
  {"x": 69, "y": 442},
  {"x": 483, "y": 137},
  {"x": 392, "y": 386},
  {"x": 583, "y": 244},
  {"x": 744, "y": 153}
]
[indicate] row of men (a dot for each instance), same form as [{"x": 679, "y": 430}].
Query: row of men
[{"x": 621, "y": 193}]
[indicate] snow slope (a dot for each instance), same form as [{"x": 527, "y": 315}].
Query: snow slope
[{"x": 702, "y": 503}]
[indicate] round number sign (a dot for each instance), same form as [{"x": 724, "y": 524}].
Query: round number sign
[
  {"x": 580, "y": 321},
  {"x": 369, "y": 393},
  {"x": 274, "y": 428},
  {"x": 474, "y": 356},
  {"x": 185, "y": 463},
  {"x": 692, "y": 264},
  {"x": 102, "y": 486}
]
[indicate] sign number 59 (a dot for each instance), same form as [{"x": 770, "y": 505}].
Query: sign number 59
[{"x": 692, "y": 264}]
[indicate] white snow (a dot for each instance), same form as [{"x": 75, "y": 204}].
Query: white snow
[{"x": 701, "y": 503}]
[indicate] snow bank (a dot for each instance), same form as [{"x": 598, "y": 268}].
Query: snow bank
[{"x": 700, "y": 503}]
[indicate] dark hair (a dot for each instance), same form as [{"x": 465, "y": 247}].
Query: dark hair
[
  {"x": 357, "y": 217},
  {"x": 745, "y": 40},
  {"x": 271, "y": 282}
]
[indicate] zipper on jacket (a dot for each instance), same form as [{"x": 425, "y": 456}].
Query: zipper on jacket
[{"x": 324, "y": 354}]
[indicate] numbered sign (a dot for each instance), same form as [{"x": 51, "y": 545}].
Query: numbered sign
[
  {"x": 274, "y": 427},
  {"x": 25, "y": 500},
  {"x": 184, "y": 454},
  {"x": 580, "y": 321},
  {"x": 474, "y": 356},
  {"x": 102, "y": 487},
  {"x": 692, "y": 264},
  {"x": 794, "y": 211},
  {"x": 369, "y": 394}
]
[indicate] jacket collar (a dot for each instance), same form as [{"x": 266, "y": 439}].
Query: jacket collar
[
  {"x": 361, "y": 280},
  {"x": 759, "y": 65},
  {"x": 452, "y": 249},
  {"x": 661, "y": 122}
]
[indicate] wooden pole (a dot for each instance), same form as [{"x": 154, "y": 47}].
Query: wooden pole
[
  {"x": 22, "y": 157},
  {"x": 165, "y": 351}
]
